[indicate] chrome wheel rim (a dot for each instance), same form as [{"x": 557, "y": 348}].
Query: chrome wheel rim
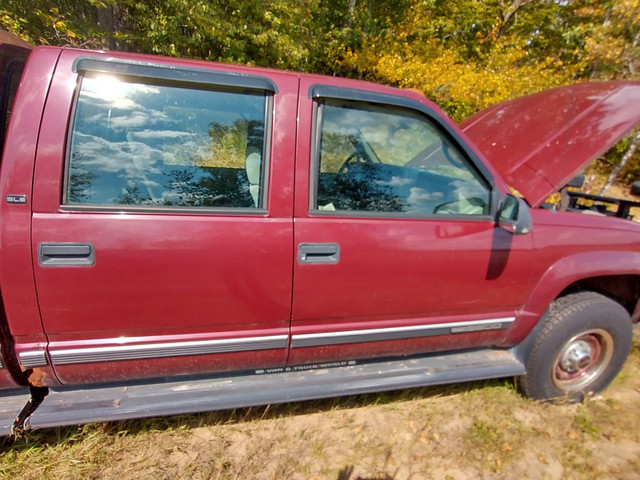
[{"x": 582, "y": 360}]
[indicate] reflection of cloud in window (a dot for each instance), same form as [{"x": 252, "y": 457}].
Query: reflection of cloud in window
[
  {"x": 398, "y": 181},
  {"x": 469, "y": 189},
  {"x": 419, "y": 195},
  {"x": 160, "y": 134},
  {"x": 172, "y": 198},
  {"x": 137, "y": 119},
  {"x": 130, "y": 120},
  {"x": 122, "y": 113},
  {"x": 112, "y": 157},
  {"x": 346, "y": 118},
  {"x": 149, "y": 183},
  {"x": 377, "y": 136},
  {"x": 182, "y": 148},
  {"x": 374, "y": 123},
  {"x": 342, "y": 130},
  {"x": 98, "y": 99}
]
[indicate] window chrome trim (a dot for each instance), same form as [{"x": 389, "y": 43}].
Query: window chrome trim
[
  {"x": 71, "y": 356},
  {"x": 448, "y": 217},
  {"x": 132, "y": 209},
  {"x": 398, "y": 333}
]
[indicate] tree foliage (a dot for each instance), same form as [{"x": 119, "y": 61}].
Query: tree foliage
[
  {"x": 61, "y": 22},
  {"x": 612, "y": 38},
  {"x": 463, "y": 53},
  {"x": 469, "y": 54}
]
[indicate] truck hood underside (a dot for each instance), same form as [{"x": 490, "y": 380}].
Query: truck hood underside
[{"x": 539, "y": 142}]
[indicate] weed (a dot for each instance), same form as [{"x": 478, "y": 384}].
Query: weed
[{"x": 584, "y": 421}]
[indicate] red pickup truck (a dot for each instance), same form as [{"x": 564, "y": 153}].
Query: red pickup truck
[{"x": 180, "y": 236}]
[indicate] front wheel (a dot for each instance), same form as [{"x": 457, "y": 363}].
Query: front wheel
[{"x": 581, "y": 347}]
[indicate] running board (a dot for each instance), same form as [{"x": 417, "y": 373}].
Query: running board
[{"x": 73, "y": 406}]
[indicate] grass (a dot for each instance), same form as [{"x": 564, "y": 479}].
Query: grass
[{"x": 482, "y": 429}]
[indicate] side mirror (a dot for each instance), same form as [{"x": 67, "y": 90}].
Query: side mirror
[{"x": 514, "y": 216}]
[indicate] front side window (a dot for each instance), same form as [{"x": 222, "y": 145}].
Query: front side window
[
  {"x": 384, "y": 159},
  {"x": 165, "y": 145}
]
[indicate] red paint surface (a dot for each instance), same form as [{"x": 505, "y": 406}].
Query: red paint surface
[{"x": 539, "y": 142}]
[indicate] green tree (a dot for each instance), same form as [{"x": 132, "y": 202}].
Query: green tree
[
  {"x": 467, "y": 55},
  {"x": 612, "y": 38},
  {"x": 61, "y": 22}
]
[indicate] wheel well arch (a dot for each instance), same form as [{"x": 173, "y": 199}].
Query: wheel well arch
[
  {"x": 624, "y": 289},
  {"x": 621, "y": 288},
  {"x": 620, "y": 283}
]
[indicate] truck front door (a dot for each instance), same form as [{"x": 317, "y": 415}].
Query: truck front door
[{"x": 398, "y": 251}]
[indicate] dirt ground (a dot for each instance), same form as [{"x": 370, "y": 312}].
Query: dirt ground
[{"x": 479, "y": 430}]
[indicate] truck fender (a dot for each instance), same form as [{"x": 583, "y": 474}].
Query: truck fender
[{"x": 562, "y": 274}]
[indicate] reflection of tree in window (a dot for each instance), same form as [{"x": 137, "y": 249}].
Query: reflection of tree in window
[
  {"x": 80, "y": 179},
  {"x": 223, "y": 145},
  {"x": 219, "y": 187},
  {"x": 361, "y": 189},
  {"x": 336, "y": 148},
  {"x": 215, "y": 175},
  {"x": 229, "y": 142},
  {"x": 132, "y": 196}
]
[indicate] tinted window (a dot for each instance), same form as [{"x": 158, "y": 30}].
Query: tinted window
[
  {"x": 387, "y": 159},
  {"x": 158, "y": 145}
]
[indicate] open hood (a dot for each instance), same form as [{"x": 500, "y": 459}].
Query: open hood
[{"x": 539, "y": 142}]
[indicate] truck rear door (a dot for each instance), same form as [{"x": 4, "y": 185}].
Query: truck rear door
[
  {"x": 162, "y": 217},
  {"x": 13, "y": 56}
]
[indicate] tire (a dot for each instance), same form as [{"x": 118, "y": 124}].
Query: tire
[
  {"x": 635, "y": 187},
  {"x": 580, "y": 348}
]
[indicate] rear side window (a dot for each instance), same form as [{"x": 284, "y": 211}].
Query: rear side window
[{"x": 152, "y": 144}]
